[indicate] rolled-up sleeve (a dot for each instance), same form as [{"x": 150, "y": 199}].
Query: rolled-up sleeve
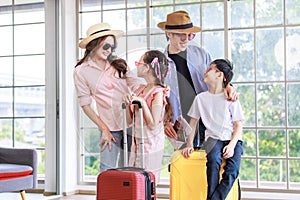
[{"x": 82, "y": 89}]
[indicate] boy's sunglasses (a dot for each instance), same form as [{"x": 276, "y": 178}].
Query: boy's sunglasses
[
  {"x": 107, "y": 46},
  {"x": 183, "y": 36}
]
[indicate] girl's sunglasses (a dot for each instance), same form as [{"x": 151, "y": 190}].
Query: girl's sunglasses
[
  {"x": 107, "y": 46},
  {"x": 139, "y": 63}
]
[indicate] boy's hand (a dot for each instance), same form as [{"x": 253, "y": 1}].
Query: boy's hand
[
  {"x": 228, "y": 151},
  {"x": 187, "y": 151}
]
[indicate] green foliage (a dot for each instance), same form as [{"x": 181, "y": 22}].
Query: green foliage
[
  {"x": 248, "y": 170},
  {"x": 272, "y": 170},
  {"x": 92, "y": 168},
  {"x": 271, "y": 143},
  {"x": 294, "y": 141},
  {"x": 294, "y": 171},
  {"x": 249, "y": 143}
]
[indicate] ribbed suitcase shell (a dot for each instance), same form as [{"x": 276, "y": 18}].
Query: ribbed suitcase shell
[
  {"x": 126, "y": 184},
  {"x": 188, "y": 177}
]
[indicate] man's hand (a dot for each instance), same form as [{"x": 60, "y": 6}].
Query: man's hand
[
  {"x": 230, "y": 93},
  {"x": 106, "y": 139},
  {"x": 169, "y": 130}
]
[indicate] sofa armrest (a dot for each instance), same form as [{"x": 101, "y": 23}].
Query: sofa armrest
[{"x": 20, "y": 156}]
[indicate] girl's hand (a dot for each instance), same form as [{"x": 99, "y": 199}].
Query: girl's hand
[
  {"x": 135, "y": 98},
  {"x": 187, "y": 151}
]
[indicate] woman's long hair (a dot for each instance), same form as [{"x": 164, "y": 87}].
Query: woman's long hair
[{"x": 119, "y": 64}]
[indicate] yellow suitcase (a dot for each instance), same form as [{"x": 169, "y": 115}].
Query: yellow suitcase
[{"x": 188, "y": 177}]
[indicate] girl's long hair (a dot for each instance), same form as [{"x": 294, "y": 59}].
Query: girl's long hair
[{"x": 160, "y": 70}]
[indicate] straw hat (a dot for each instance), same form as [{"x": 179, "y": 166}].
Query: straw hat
[
  {"x": 179, "y": 22},
  {"x": 99, "y": 30}
]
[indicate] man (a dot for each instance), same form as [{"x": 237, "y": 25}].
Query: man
[{"x": 188, "y": 65}]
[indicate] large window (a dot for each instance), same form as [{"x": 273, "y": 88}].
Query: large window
[
  {"x": 261, "y": 37},
  {"x": 22, "y": 75}
]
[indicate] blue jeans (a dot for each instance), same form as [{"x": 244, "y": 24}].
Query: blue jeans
[
  {"x": 219, "y": 190},
  {"x": 199, "y": 135},
  {"x": 108, "y": 159}
]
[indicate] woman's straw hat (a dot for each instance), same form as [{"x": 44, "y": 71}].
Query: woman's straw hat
[
  {"x": 179, "y": 22},
  {"x": 99, "y": 30}
]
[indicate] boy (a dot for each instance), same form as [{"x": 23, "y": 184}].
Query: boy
[{"x": 223, "y": 135}]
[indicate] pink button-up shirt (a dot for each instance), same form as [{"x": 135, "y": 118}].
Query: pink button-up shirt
[{"x": 106, "y": 88}]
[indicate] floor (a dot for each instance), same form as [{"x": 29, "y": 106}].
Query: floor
[
  {"x": 245, "y": 196},
  {"x": 32, "y": 196}
]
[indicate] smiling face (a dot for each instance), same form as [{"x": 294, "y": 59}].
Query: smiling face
[
  {"x": 105, "y": 48},
  {"x": 142, "y": 67},
  {"x": 179, "y": 41}
]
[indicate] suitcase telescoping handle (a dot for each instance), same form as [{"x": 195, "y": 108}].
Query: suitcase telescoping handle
[
  {"x": 125, "y": 134},
  {"x": 141, "y": 132},
  {"x": 125, "y": 144}
]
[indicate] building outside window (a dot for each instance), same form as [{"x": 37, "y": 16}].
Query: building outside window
[{"x": 22, "y": 76}]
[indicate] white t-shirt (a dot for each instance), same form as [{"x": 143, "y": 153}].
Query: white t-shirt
[{"x": 217, "y": 114}]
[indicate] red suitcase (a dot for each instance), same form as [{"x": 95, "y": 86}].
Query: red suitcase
[{"x": 128, "y": 183}]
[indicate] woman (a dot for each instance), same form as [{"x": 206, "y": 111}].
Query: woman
[{"x": 101, "y": 77}]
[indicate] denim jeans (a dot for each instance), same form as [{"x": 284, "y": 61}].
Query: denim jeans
[
  {"x": 200, "y": 135},
  {"x": 115, "y": 157},
  {"x": 219, "y": 190}
]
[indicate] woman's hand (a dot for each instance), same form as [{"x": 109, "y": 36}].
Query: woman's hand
[
  {"x": 106, "y": 139},
  {"x": 127, "y": 98}
]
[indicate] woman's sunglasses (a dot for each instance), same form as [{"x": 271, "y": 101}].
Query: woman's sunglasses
[{"x": 106, "y": 46}]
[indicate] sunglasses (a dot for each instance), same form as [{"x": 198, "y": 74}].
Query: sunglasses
[
  {"x": 139, "y": 63},
  {"x": 183, "y": 36},
  {"x": 106, "y": 46}
]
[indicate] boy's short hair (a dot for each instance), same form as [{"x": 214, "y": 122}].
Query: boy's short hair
[{"x": 226, "y": 67}]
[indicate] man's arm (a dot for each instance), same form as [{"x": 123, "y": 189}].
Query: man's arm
[{"x": 230, "y": 93}]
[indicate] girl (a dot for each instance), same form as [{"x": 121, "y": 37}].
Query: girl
[{"x": 153, "y": 67}]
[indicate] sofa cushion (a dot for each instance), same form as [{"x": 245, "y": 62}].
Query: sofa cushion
[{"x": 9, "y": 171}]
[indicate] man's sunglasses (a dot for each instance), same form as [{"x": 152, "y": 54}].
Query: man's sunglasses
[
  {"x": 183, "y": 36},
  {"x": 107, "y": 46}
]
